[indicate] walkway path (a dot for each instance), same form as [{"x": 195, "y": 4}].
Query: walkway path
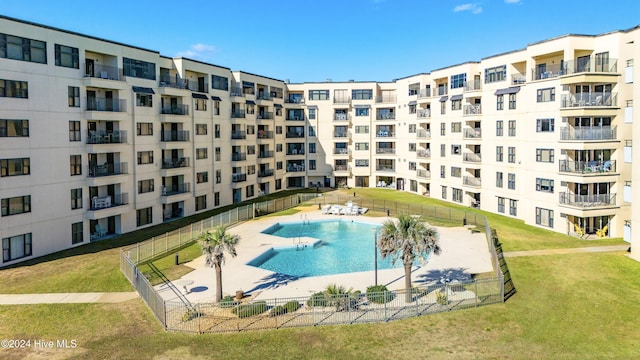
[{"x": 116, "y": 297}]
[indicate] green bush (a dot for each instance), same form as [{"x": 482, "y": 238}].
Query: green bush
[
  {"x": 292, "y": 306},
  {"x": 247, "y": 310},
  {"x": 278, "y": 310},
  {"x": 441, "y": 298},
  {"x": 228, "y": 301},
  {"x": 317, "y": 299},
  {"x": 191, "y": 314},
  {"x": 379, "y": 294},
  {"x": 289, "y": 307}
]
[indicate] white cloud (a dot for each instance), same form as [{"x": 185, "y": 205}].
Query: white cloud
[
  {"x": 511, "y": 1},
  {"x": 198, "y": 52},
  {"x": 475, "y": 9}
]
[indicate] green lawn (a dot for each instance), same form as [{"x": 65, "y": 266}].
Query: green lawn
[{"x": 571, "y": 306}]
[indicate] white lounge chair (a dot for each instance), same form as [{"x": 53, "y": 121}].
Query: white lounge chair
[
  {"x": 354, "y": 210},
  {"x": 325, "y": 209}
]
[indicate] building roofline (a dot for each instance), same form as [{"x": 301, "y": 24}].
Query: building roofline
[
  {"x": 262, "y": 76},
  {"x": 199, "y": 62}
]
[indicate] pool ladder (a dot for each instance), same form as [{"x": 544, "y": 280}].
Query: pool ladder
[
  {"x": 304, "y": 219},
  {"x": 299, "y": 245}
]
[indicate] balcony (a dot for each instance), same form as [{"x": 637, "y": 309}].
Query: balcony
[
  {"x": 423, "y": 154},
  {"x": 238, "y": 135},
  {"x": 472, "y": 133},
  {"x": 295, "y": 151},
  {"x": 109, "y": 105},
  {"x": 592, "y": 65},
  {"x": 341, "y": 134},
  {"x": 175, "y": 110},
  {"x": 596, "y": 133},
  {"x": 342, "y": 168},
  {"x": 386, "y": 99},
  {"x": 472, "y": 85},
  {"x": 170, "y": 135},
  {"x": 236, "y": 91},
  {"x": 295, "y": 117},
  {"x": 385, "y": 134},
  {"x": 587, "y": 167},
  {"x": 299, "y": 134},
  {"x": 424, "y": 113},
  {"x": 107, "y": 170},
  {"x": 295, "y": 167},
  {"x": 423, "y": 134},
  {"x": 472, "y": 181},
  {"x": 471, "y": 110},
  {"x": 385, "y": 151},
  {"x": 106, "y": 202},
  {"x": 175, "y": 163},
  {"x": 441, "y": 91},
  {"x": 627, "y": 191},
  {"x": 238, "y": 156},
  {"x": 342, "y": 100},
  {"x": 424, "y": 93},
  {"x": 341, "y": 117},
  {"x": 472, "y": 157},
  {"x": 424, "y": 174},
  {"x": 294, "y": 100},
  {"x": 341, "y": 151},
  {"x": 265, "y": 173},
  {"x": 265, "y": 134},
  {"x": 265, "y": 154},
  {"x": 104, "y": 137},
  {"x": 588, "y": 201},
  {"x": 105, "y": 72},
  {"x": 386, "y": 116},
  {"x": 175, "y": 189},
  {"x": 518, "y": 79},
  {"x": 238, "y": 114},
  {"x": 238, "y": 177},
  {"x": 168, "y": 82},
  {"x": 263, "y": 95},
  {"x": 383, "y": 168},
  {"x": 549, "y": 72},
  {"x": 592, "y": 99},
  {"x": 265, "y": 115}
]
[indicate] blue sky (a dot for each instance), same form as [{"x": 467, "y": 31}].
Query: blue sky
[{"x": 307, "y": 41}]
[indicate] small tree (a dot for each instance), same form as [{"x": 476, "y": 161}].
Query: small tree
[
  {"x": 407, "y": 240},
  {"x": 215, "y": 243}
]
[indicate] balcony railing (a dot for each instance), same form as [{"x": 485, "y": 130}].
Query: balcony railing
[
  {"x": 341, "y": 168},
  {"x": 592, "y": 99},
  {"x": 238, "y": 114},
  {"x": 104, "y": 137},
  {"x": 341, "y": 117},
  {"x": 385, "y": 151},
  {"x": 107, "y": 169},
  {"x": 472, "y": 133},
  {"x": 265, "y": 154},
  {"x": 518, "y": 79},
  {"x": 589, "y": 133},
  {"x": 340, "y": 151},
  {"x": 175, "y": 110},
  {"x": 295, "y": 134},
  {"x": 423, "y": 134},
  {"x": 111, "y": 105},
  {"x": 236, "y": 91},
  {"x": 595, "y": 200},
  {"x": 172, "y": 83},
  {"x": 386, "y": 116},
  {"x": 238, "y": 135},
  {"x": 175, "y": 163},
  {"x": 470, "y": 110},
  {"x": 424, "y": 93},
  {"x": 423, "y": 113},
  {"x": 550, "y": 72},
  {"x": 341, "y": 100},
  {"x": 386, "y": 99},
  {"x": 471, "y": 181},
  {"x": 295, "y": 167},
  {"x": 340, "y": 134},
  {"x": 295, "y": 151},
  {"x": 441, "y": 90},
  {"x": 265, "y": 134},
  {"x": 105, "y": 202},
  {"x": 294, "y": 100},
  {"x": 175, "y": 189},
  {"x": 263, "y": 95},
  {"x": 295, "y": 117},
  {"x": 178, "y": 135},
  {"x": 472, "y": 85},
  {"x": 265, "y": 173},
  {"x": 265, "y": 115},
  {"x": 385, "y": 134},
  {"x": 238, "y": 156},
  {"x": 587, "y": 167},
  {"x": 593, "y": 64},
  {"x": 106, "y": 72},
  {"x": 384, "y": 168},
  {"x": 472, "y": 157},
  {"x": 425, "y": 174},
  {"x": 238, "y": 177},
  {"x": 423, "y": 154}
]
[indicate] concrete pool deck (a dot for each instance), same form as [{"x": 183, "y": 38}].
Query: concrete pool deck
[{"x": 463, "y": 253}]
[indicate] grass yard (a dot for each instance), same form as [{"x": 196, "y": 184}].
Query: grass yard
[{"x": 571, "y": 306}]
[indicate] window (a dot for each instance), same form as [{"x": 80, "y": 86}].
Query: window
[
  {"x": 16, "y": 247},
  {"x": 278, "y": 147},
  {"x": 544, "y": 217},
  {"x": 362, "y": 129},
  {"x": 513, "y": 207},
  {"x": 443, "y": 129},
  {"x": 145, "y": 100},
  {"x": 249, "y": 190},
  {"x": 456, "y": 171},
  {"x": 456, "y": 195},
  {"x": 457, "y": 81},
  {"x": 544, "y": 185},
  {"x": 500, "y": 102},
  {"x": 14, "y": 128},
  {"x": 511, "y": 181},
  {"x": 251, "y": 130},
  {"x": 201, "y": 129},
  {"x": 412, "y": 109},
  {"x": 544, "y": 155},
  {"x": 412, "y": 146},
  {"x": 456, "y": 127},
  {"x": 218, "y": 176},
  {"x": 312, "y": 113},
  {"x": 201, "y": 104},
  {"x": 75, "y": 163},
  {"x": 443, "y": 150},
  {"x": 456, "y": 149},
  {"x": 362, "y": 94},
  {"x": 201, "y": 153},
  {"x": 512, "y": 154},
  {"x": 74, "y": 96},
  {"x": 545, "y": 95},
  {"x": 248, "y": 87},
  {"x": 363, "y": 146},
  {"x": 512, "y": 128},
  {"x": 443, "y": 192},
  {"x": 216, "y": 131},
  {"x": 443, "y": 170},
  {"x": 202, "y": 177},
  {"x": 251, "y": 149},
  {"x": 456, "y": 104},
  {"x": 362, "y": 162},
  {"x": 512, "y": 101},
  {"x": 412, "y": 165},
  {"x": 312, "y": 131},
  {"x": 77, "y": 233},
  {"x": 19, "y": 48},
  {"x": 499, "y": 153},
  {"x": 219, "y": 82},
  {"x": 144, "y": 216},
  {"x": 139, "y": 69},
  {"x": 217, "y": 154},
  {"x": 495, "y": 74},
  {"x": 501, "y": 205},
  {"x": 251, "y": 169},
  {"x": 67, "y": 56},
  {"x": 74, "y": 131},
  {"x": 499, "y": 127},
  {"x": 545, "y": 125},
  {"x": 362, "y": 111},
  {"x": 278, "y": 165},
  {"x": 278, "y": 129},
  {"x": 276, "y": 92},
  {"x": 14, "y": 89},
  {"x": 145, "y": 186},
  {"x": 16, "y": 205},
  {"x": 312, "y": 148},
  {"x": 443, "y": 107},
  {"x": 412, "y": 128},
  {"x": 15, "y": 167},
  {"x": 145, "y": 157},
  {"x": 201, "y": 202},
  {"x": 216, "y": 107},
  {"x": 76, "y": 198},
  {"x": 312, "y": 164},
  {"x": 318, "y": 94},
  {"x": 499, "y": 179},
  {"x": 144, "y": 129},
  {"x": 216, "y": 199}
]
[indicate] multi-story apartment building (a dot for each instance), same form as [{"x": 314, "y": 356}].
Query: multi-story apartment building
[{"x": 100, "y": 138}]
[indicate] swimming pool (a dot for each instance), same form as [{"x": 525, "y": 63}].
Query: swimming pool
[{"x": 344, "y": 246}]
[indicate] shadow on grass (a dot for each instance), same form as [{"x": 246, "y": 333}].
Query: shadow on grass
[{"x": 443, "y": 276}]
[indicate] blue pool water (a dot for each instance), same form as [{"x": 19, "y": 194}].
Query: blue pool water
[{"x": 345, "y": 246}]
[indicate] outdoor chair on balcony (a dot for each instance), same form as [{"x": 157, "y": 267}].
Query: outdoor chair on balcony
[{"x": 100, "y": 232}]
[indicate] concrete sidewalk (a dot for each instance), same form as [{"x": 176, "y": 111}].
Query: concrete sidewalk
[
  {"x": 566, "y": 251},
  {"x": 66, "y": 298}
]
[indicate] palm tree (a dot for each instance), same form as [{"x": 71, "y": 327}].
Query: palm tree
[
  {"x": 214, "y": 244},
  {"x": 408, "y": 239}
]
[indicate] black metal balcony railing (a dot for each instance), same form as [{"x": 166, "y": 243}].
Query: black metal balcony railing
[
  {"x": 175, "y": 189},
  {"x": 174, "y": 135},
  {"x": 587, "y": 167},
  {"x": 175, "y": 110},
  {"x": 472, "y": 157},
  {"x": 238, "y": 177},
  {"x": 591, "y": 99},
  {"x": 295, "y": 167},
  {"x": 265, "y": 115},
  {"x": 589, "y": 133},
  {"x": 265, "y": 154},
  {"x": 295, "y": 151},
  {"x": 106, "y": 202},
  {"x": 386, "y": 116},
  {"x": 111, "y": 105},
  {"x": 594, "y": 200},
  {"x": 470, "y": 110},
  {"x": 238, "y": 114},
  {"x": 265, "y": 134},
  {"x": 106, "y": 72},
  {"x": 592, "y": 64},
  {"x": 472, "y": 133},
  {"x": 265, "y": 173},
  {"x": 298, "y": 134},
  {"x": 106, "y": 137},
  {"x": 175, "y": 163},
  {"x": 107, "y": 169},
  {"x": 238, "y": 135},
  {"x": 238, "y": 156},
  {"x": 263, "y": 95},
  {"x": 385, "y": 151},
  {"x": 295, "y": 117},
  {"x": 471, "y": 181}
]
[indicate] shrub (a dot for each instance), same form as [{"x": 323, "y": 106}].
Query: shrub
[
  {"x": 292, "y": 306},
  {"x": 228, "y": 301},
  {"x": 379, "y": 294},
  {"x": 317, "y": 299},
  {"x": 247, "y": 310},
  {"x": 441, "y": 298},
  {"x": 278, "y": 310},
  {"x": 191, "y": 314}
]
